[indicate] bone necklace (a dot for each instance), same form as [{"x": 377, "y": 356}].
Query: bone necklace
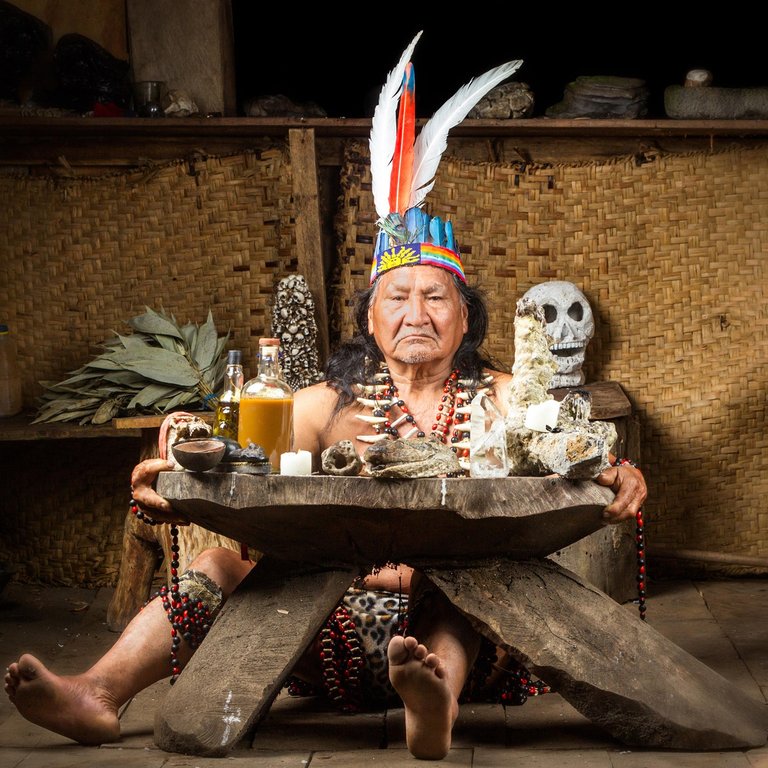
[{"x": 453, "y": 410}]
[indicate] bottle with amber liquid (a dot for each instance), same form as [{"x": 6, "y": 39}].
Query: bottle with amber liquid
[
  {"x": 227, "y": 409},
  {"x": 266, "y": 407}
]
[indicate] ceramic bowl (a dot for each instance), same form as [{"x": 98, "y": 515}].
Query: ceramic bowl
[{"x": 199, "y": 455}]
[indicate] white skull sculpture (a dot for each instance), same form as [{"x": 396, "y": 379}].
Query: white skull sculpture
[{"x": 570, "y": 324}]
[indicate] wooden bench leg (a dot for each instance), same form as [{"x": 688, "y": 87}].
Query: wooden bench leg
[
  {"x": 612, "y": 667},
  {"x": 139, "y": 561},
  {"x": 255, "y": 642},
  {"x": 140, "y": 557}
]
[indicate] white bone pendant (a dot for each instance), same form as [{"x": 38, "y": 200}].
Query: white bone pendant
[
  {"x": 372, "y": 389},
  {"x": 372, "y": 438},
  {"x": 371, "y": 419}
]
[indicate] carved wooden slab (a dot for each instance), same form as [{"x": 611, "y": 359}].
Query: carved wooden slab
[
  {"x": 339, "y": 521},
  {"x": 614, "y": 668},
  {"x": 235, "y": 675}
]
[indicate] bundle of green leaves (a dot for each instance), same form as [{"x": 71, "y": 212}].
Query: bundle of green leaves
[{"x": 160, "y": 367}]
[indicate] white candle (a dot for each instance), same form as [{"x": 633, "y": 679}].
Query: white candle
[
  {"x": 539, "y": 416},
  {"x": 299, "y": 463}
]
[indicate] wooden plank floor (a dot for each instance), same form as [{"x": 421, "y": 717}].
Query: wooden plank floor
[{"x": 721, "y": 622}]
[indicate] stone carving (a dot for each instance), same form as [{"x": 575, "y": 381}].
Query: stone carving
[
  {"x": 570, "y": 325},
  {"x": 415, "y": 457},
  {"x": 293, "y": 322},
  {"x": 178, "y": 103},
  {"x": 277, "y": 105},
  {"x": 703, "y": 102},
  {"x": 341, "y": 459},
  {"x": 509, "y": 100},
  {"x": 602, "y": 97},
  {"x": 179, "y": 426}
]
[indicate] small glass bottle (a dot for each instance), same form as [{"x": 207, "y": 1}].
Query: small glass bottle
[
  {"x": 266, "y": 407},
  {"x": 227, "y": 410},
  {"x": 10, "y": 376}
]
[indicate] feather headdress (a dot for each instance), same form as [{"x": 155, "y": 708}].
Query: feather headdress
[{"x": 403, "y": 167}]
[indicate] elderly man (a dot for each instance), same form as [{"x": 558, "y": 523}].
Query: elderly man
[
  {"x": 426, "y": 326},
  {"x": 420, "y": 327}
]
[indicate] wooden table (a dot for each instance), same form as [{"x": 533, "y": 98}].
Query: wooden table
[
  {"x": 605, "y": 559},
  {"x": 482, "y": 543}
]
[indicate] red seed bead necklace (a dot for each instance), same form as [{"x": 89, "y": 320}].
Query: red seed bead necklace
[
  {"x": 444, "y": 415},
  {"x": 448, "y": 420}
]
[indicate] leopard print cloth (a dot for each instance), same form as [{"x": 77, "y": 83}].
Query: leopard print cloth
[{"x": 378, "y": 616}]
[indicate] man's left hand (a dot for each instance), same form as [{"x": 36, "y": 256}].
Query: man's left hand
[{"x": 628, "y": 483}]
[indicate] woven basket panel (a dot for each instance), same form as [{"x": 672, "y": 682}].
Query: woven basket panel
[
  {"x": 80, "y": 257},
  {"x": 62, "y": 516},
  {"x": 671, "y": 255}
]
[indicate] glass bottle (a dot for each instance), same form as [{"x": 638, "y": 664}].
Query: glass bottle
[
  {"x": 227, "y": 410},
  {"x": 10, "y": 376},
  {"x": 266, "y": 407}
]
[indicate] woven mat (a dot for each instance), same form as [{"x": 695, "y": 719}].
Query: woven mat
[
  {"x": 62, "y": 516},
  {"x": 80, "y": 257},
  {"x": 671, "y": 255}
]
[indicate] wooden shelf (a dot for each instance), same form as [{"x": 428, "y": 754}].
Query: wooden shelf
[
  {"x": 106, "y": 127},
  {"x": 116, "y": 141},
  {"x": 19, "y": 428}
]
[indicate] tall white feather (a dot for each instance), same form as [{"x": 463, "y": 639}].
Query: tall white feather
[
  {"x": 433, "y": 139},
  {"x": 384, "y": 132}
]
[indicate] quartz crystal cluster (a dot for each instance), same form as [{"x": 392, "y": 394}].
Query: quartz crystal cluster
[{"x": 572, "y": 446}]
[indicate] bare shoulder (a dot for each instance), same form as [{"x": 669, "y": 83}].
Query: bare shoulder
[
  {"x": 312, "y": 410},
  {"x": 315, "y": 403}
]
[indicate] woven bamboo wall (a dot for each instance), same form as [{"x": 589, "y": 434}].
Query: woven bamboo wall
[
  {"x": 62, "y": 515},
  {"x": 81, "y": 256},
  {"x": 671, "y": 255}
]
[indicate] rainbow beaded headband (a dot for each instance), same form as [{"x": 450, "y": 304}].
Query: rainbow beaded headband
[
  {"x": 403, "y": 168},
  {"x": 411, "y": 254}
]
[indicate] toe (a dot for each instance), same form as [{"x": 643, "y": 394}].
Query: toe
[{"x": 420, "y": 652}]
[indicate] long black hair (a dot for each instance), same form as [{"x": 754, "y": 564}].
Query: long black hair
[{"x": 355, "y": 361}]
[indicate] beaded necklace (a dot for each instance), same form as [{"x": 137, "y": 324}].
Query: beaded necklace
[
  {"x": 445, "y": 415},
  {"x": 453, "y": 412}
]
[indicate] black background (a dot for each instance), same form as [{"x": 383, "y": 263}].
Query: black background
[{"x": 338, "y": 55}]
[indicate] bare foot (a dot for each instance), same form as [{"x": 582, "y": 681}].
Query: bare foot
[
  {"x": 430, "y": 707},
  {"x": 75, "y": 707}
]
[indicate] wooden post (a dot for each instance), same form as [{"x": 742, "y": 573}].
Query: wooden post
[{"x": 309, "y": 236}]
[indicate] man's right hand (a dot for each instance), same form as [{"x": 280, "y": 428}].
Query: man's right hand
[{"x": 142, "y": 479}]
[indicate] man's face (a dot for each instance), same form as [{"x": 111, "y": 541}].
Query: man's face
[{"x": 417, "y": 315}]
